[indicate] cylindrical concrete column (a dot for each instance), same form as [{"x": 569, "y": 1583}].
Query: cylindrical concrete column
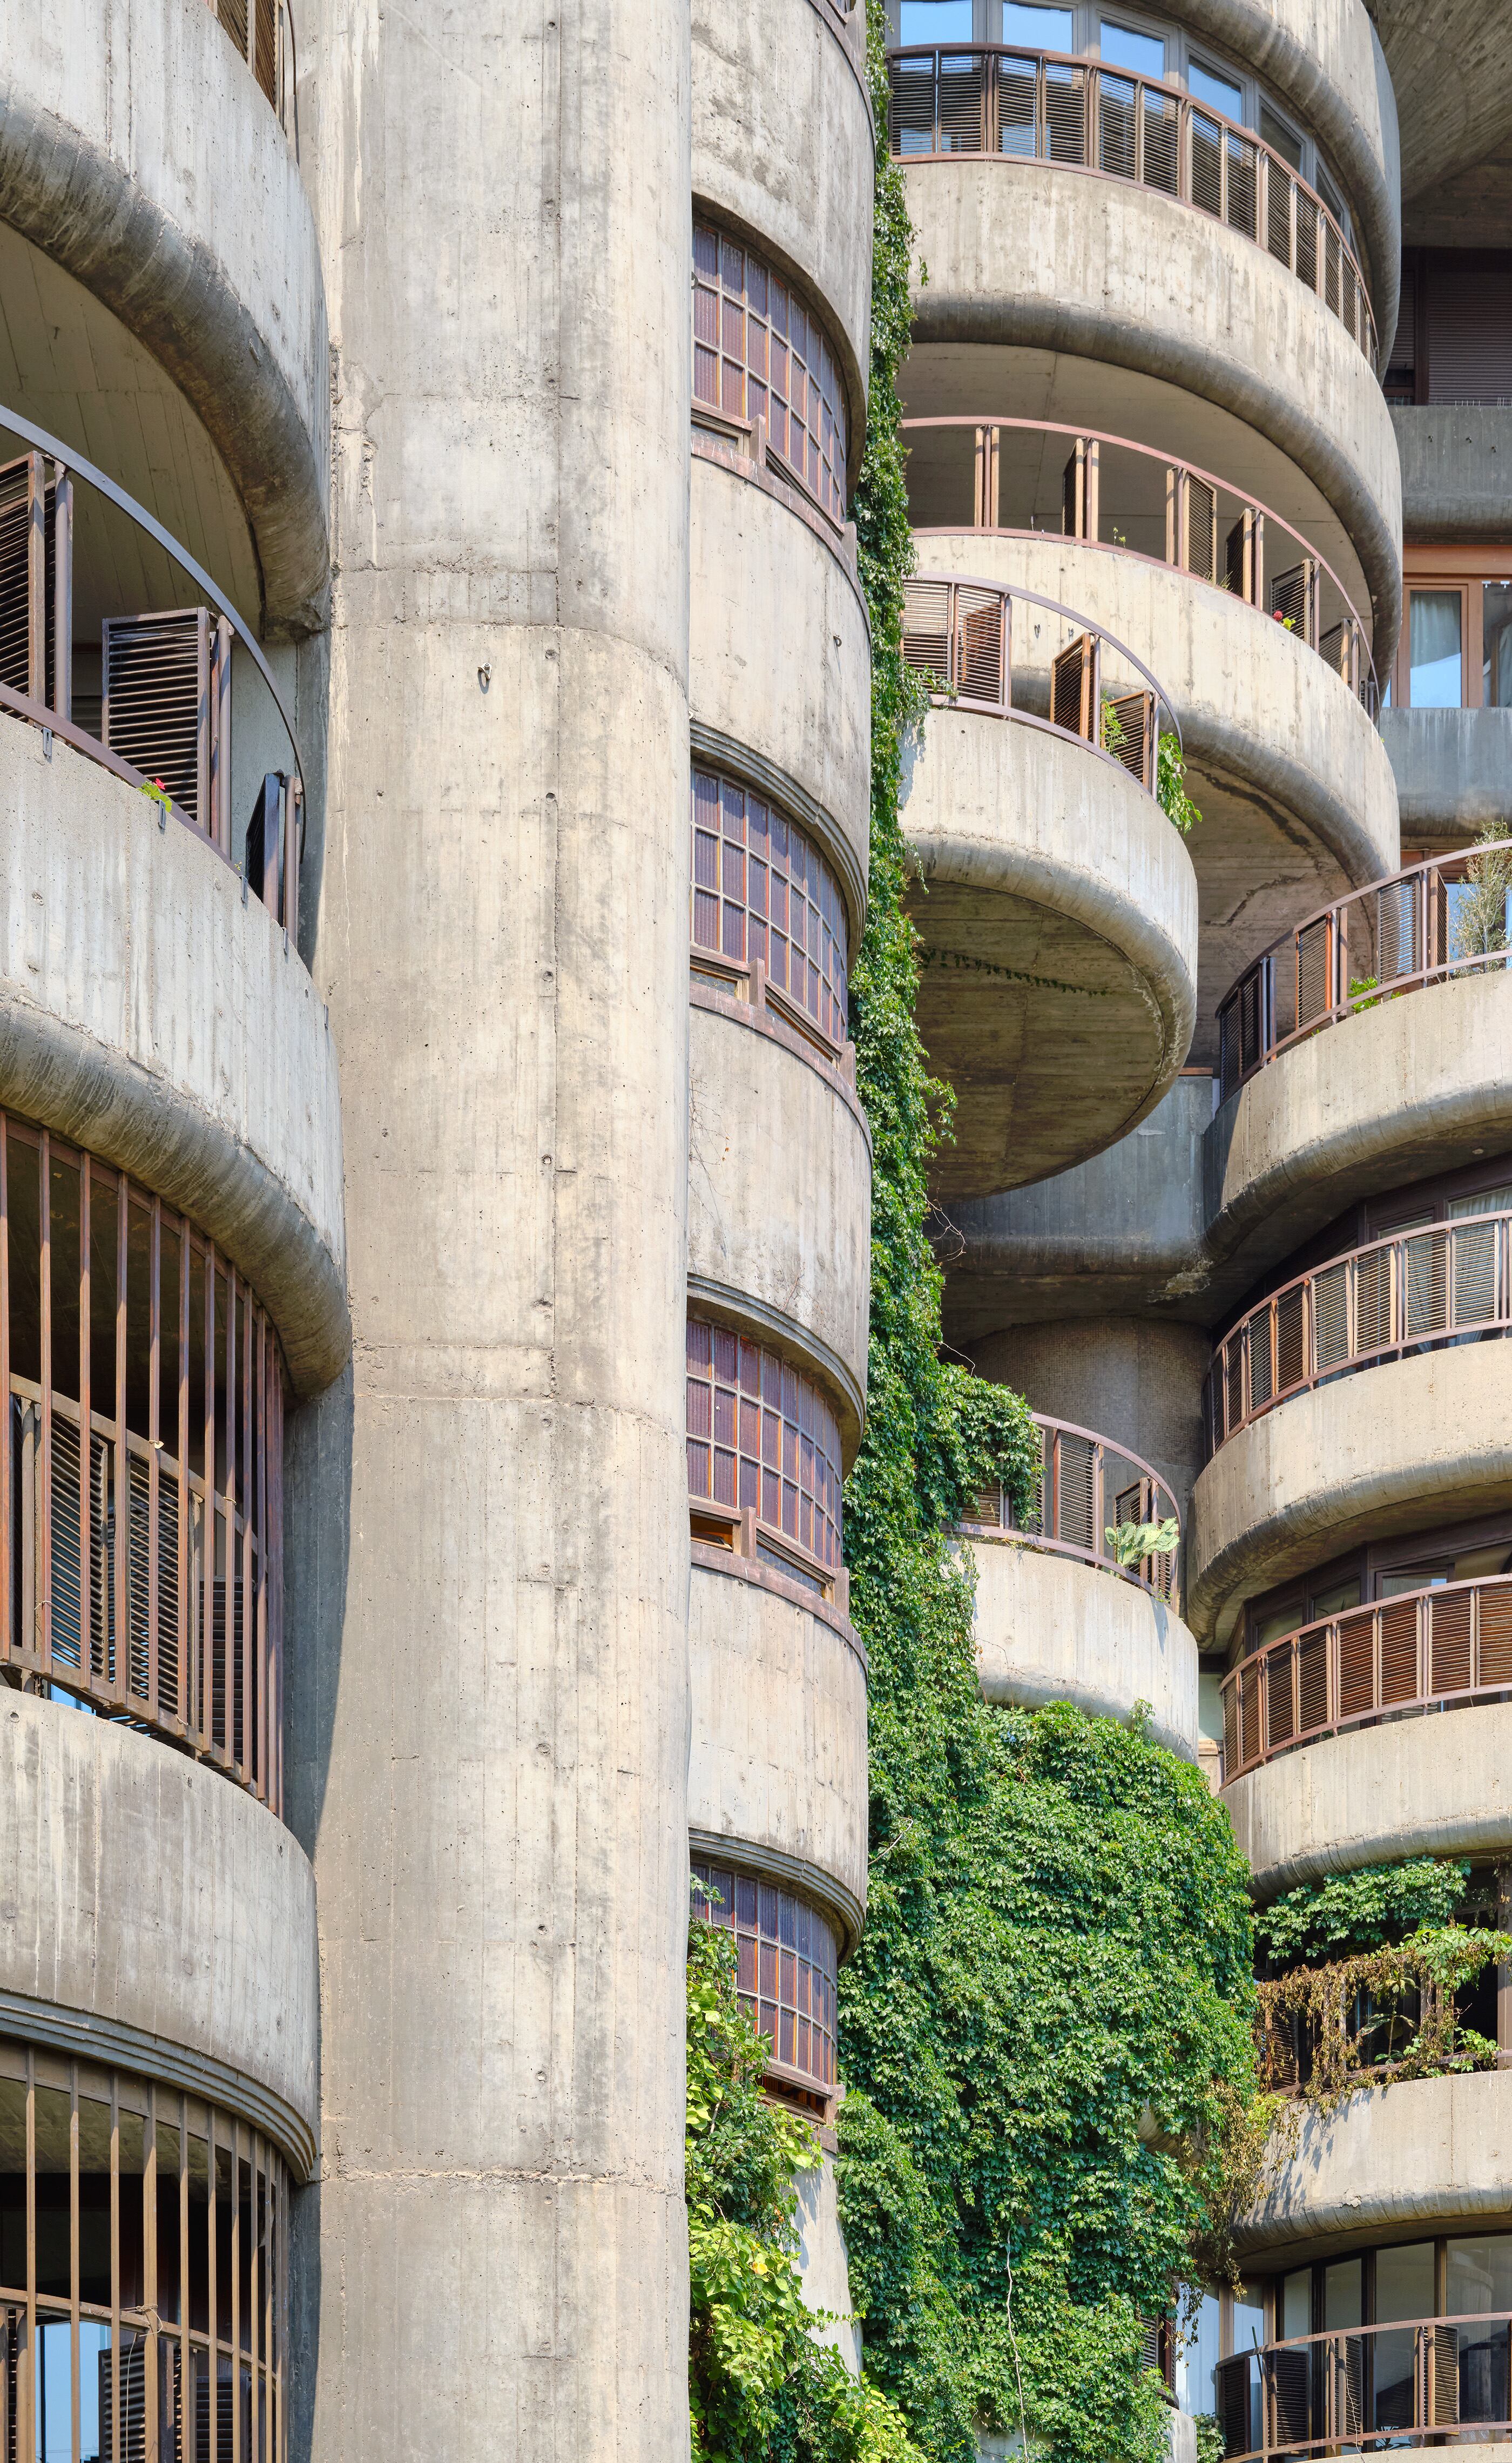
[{"x": 489, "y": 1719}]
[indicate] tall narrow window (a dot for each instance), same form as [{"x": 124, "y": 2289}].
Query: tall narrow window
[
  {"x": 1436, "y": 655},
  {"x": 761, "y": 1439},
  {"x": 763, "y": 895}
]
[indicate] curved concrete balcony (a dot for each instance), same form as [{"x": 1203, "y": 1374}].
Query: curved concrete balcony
[
  {"x": 783, "y": 149},
  {"x": 779, "y": 1188},
  {"x": 1452, "y": 767},
  {"x": 1058, "y": 905},
  {"x": 1035, "y": 256},
  {"x": 1385, "y": 1451},
  {"x": 1453, "y": 456},
  {"x": 780, "y": 651},
  {"x": 156, "y": 1917},
  {"x": 137, "y": 153},
  {"x": 1054, "y": 1628}
]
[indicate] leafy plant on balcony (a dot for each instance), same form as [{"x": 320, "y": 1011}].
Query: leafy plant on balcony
[
  {"x": 1170, "y": 786},
  {"x": 1370, "y": 1908},
  {"x": 1480, "y": 913},
  {"x": 1129, "y": 1543},
  {"x": 1386, "y": 2014}
]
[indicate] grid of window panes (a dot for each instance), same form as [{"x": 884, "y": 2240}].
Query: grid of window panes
[
  {"x": 786, "y": 1964},
  {"x": 759, "y": 353},
  {"x": 144, "y": 2263},
  {"x": 761, "y": 1436},
  {"x": 760, "y": 890}
]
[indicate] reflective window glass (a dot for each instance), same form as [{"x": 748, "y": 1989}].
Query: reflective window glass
[
  {"x": 1284, "y": 139},
  {"x": 1221, "y": 92},
  {"x": 1480, "y": 2275},
  {"x": 1486, "y": 1201},
  {"x": 1495, "y": 669},
  {"x": 1199, "y": 2357},
  {"x": 934, "y": 21},
  {"x": 1343, "y": 2293},
  {"x": 1296, "y": 2303},
  {"x": 1249, "y": 2318},
  {"x": 1435, "y": 652},
  {"x": 1334, "y": 1601},
  {"x": 1410, "y": 1578},
  {"x": 1044, "y": 30},
  {"x": 1123, "y": 49},
  {"x": 1404, "y": 2281}
]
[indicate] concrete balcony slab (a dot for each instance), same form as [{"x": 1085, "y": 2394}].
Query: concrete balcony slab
[{"x": 1049, "y": 1628}]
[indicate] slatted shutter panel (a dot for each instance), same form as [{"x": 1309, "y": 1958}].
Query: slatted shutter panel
[
  {"x": 910, "y": 105},
  {"x": 1065, "y": 112},
  {"x": 1425, "y": 1282},
  {"x": 1234, "y": 1382},
  {"x": 1307, "y": 264},
  {"x": 1073, "y": 688},
  {"x": 1117, "y": 125},
  {"x": 1250, "y": 1022},
  {"x": 265, "y": 60},
  {"x": 1199, "y": 543},
  {"x": 1207, "y": 163},
  {"x": 1160, "y": 157},
  {"x": 987, "y": 1508},
  {"x": 1133, "y": 735},
  {"x": 1373, "y": 1327},
  {"x": 1257, "y": 1338},
  {"x": 26, "y": 665},
  {"x": 1347, "y": 2386},
  {"x": 1249, "y": 1690},
  {"x": 1336, "y": 648},
  {"x": 1231, "y": 1731},
  {"x": 1399, "y": 1652},
  {"x": 1448, "y": 1659},
  {"x": 1277, "y": 211},
  {"x": 232, "y": 17},
  {"x": 1229, "y": 1068},
  {"x": 1018, "y": 106},
  {"x": 1243, "y": 557},
  {"x": 1333, "y": 268},
  {"x": 1356, "y": 1663},
  {"x": 1293, "y": 598},
  {"x": 1314, "y": 986},
  {"x": 1476, "y": 1247},
  {"x": 981, "y": 669},
  {"x": 1312, "y": 1680},
  {"x": 1291, "y": 2386},
  {"x": 962, "y": 103},
  {"x": 156, "y": 709},
  {"x": 1493, "y": 1623},
  {"x": 1280, "y": 1724},
  {"x": 1076, "y": 1499},
  {"x": 1467, "y": 296},
  {"x": 927, "y": 628},
  {"x": 1231, "y": 2385},
  {"x": 1446, "y": 2377},
  {"x": 1243, "y": 184},
  {"x": 1291, "y": 1359},
  {"x": 1398, "y": 909},
  {"x": 1330, "y": 1315}
]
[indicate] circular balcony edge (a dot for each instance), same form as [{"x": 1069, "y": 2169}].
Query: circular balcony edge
[
  {"x": 128, "y": 232},
  {"x": 1423, "y": 2151},
  {"x": 125, "y": 931},
  {"x": 1347, "y": 446},
  {"x": 732, "y": 758},
  {"x": 1097, "y": 1626},
  {"x": 723, "y": 1303},
  {"x": 1377, "y": 1453},
  {"x": 1376, "y": 1794},
  {"x": 200, "y": 1971},
  {"x": 792, "y": 169}
]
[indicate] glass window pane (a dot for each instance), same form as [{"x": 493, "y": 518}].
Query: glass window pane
[
  {"x": 1404, "y": 2281},
  {"x": 1487, "y": 1201},
  {"x": 1343, "y": 2293},
  {"x": 1296, "y": 2303},
  {"x": 1480, "y": 2275},
  {"x": 934, "y": 21},
  {"x": 1249, "y": 2318},
  {"x": 1197, "y": 2359},
  {"x": 1336, "y": 1598},
  {"x": 1044, "y": 30},
  {"x": 1496, "y": 673},
  {"x": 1123, "y": 49},
  {"x": 1276, "y": 133},
  {"x": 1221, "y": 92},
  {"x": 1435, "y": 657}
]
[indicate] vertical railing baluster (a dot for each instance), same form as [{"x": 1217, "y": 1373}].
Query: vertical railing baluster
[
  {"x": 121, "y": 1667},
  {"x": 62, "y": 591},
  {"x": 37, "y": 577},
  {"x": 86, "y": 1451},
  {"x": 44, "y": 1639},
  {"x": 10, "y": 1639},
  {"x": 154, "y": 1439}
]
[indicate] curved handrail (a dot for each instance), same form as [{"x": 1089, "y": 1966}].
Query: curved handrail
[
  {"x": 1318, "y": 2383},
  {"x": 1445, "y": 1644},
  {"x": 1074, "y": 1495},
  {"x": 969, "y": 652},
  {"x": 1172, "y": 464},
  {"x": 1413, "y": 927},
  {"x": 1055, "y": 136},
  {"x": 1399, "y": 1293}
]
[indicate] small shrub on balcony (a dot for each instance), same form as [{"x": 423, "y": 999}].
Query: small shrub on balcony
[{"x": 1387, "y": 2014}]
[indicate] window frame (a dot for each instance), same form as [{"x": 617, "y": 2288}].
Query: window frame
[{"x": 1467, "y": 569}]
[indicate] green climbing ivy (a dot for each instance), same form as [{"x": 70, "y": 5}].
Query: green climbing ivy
[{"x": 1370, "y": 1908}]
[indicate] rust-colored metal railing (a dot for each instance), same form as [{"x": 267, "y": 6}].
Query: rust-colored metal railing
[
  {"x": 1112, "y": 491},
  {"x": 1366, "y": 2387},
  {"x": 162, "y": 716},
  {"x": 959, "y": 632},
  {"x": 1419, "y": 1652},
  {"x": 1410, "y": 1290},
  {"x": 950, "y": 100},
  {"x": 1088, "y": 1487},
  {"x": 142, "y": 1571},
  {"x": 1446, "y": 917}
]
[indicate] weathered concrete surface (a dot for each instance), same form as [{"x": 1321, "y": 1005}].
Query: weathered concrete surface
[
  {"x": 1453, "y": 770},
  {"x": 1456, "y": 472},
  {"x": 146, "y": 1896},
  {"x": 778, "y": 1742},
  {"x": 1436, "y": 1785},
  {"x": 148, "y": 1012},
  {"x": 780, "y": 1195},
  {"x": 1059, "y": 914},
  {"x": 1449, "y": 66},
  {"x": 1051, "y": 1629},
  {"x": 137, "y": 151},
  {"x": 489, "y": 1551},
  {"x": 781, "y": 658},
  {"x": 1431, "y": 2152},
  {"x": 1039, "y": 255},
  {"x": 1416, "y": 1087},
  {"x": 1389, "y": 1449},
  {"x": 1136, "y": 1381},
  {"x": 822, "y": 2258},
  {"x": 783, "y": 147}
]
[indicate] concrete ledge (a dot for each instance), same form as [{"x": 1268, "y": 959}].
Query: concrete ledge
[
  {"x": 1386, "y": 1450},
  {"x": 1059, "y": 911},
  {"x": 778, "y": 1184},
  {"x": 778, "y": 1754},
  {"x": 1453, "y": 768},
  {"x": 1439, "y": 1784},
  {"x": 137, "y": 150},
  {"x": 1456, "y": 472},
  {"x": 1051, "y": 1629},
  {"x": 148, "y": 1013},
  {"x": 147, "y": 1898},
  {"x": 781, "y": 658},
  {"x": 1435, "y": 2152},
  {"x": 1043, "y": 257},
  {"x": 782, "y": 148},
  {"x": 1255, "y": 707}
]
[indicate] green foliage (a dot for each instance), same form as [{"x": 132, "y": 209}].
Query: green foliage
[
  {"x": 1366, "y": 1910},
  {"x": 1479, "y": 920},
  {"x": 157, "y": 794},
  {"x": 1210, "y": 2445},
  {"x": 1380, "y": 2016},
  {"x": 1170, "y": 785},
  {"x": 1129, "y": 1543},
  {"x": 760, "y": 2388}
]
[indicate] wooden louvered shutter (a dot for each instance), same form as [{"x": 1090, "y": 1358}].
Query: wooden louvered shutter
[
  {"x": 265, "y": 49},
  {"x": 1346, "y": 2364},
  {"x": 1291, "y": 1358},
  {"x": 1242, "y": 195},
  {"x": 1199, "y": 528},
  {"x": 1475, "y": 1247},
  {"x": 1467, "y": 298},
  {"x": 1160, "y": 140},
  {"x": 1373, "y": 1328},
  {"x": 1018, "y": 105},
  {"x": 1280, "y": 1724},
  {"x": 962, "y": 103},
  {"x": 1314, "y": 970},
  {"x": 1312, "y": 1680},
  {"x": 1356, "y": 1663},
  {"x": 910, "y": 105},
  {"x": 1294, "y": 599},
  {"x": 1397, "y": 911},
  {"x": 981, "y": 666},
  {"x": 1399, "y": 1682},
  {"x": 1117, "y": 125},
  {"x": 27, "y": 578},
  {"x": 156, "y": 710},
  {"x": 1231, "y": 2385},
  {"x": 1330, "y": 1317},
  {"x": 1231, "y": 1730},
  {"x": 1065, "y": 112},
  {"x": 1444, "y": 2373},
  {"x": 1133, "y": 735},
  {"x": 987, "y": 1508},
  {"x": 927, "y": 628},
  {"x": 1291, "y": 2380},
  {"x": 1494, "y": 1636},
  {"x": 1076, "y": 1502},
  {"x": 1425, "y": 1284},
  {"x": 1244, "y": 556},
  {"x": 1448, "y": 1658},
  {"x": 1261, "y": 1386},
  {"x": 1249, "y": 1692},
  {"x": 1074, "y": 688}
]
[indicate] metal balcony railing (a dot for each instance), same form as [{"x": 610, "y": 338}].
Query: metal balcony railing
[
  {"x": 1422, "y": 1650},
  {"x": 1130, "y": 497},
  {"x": 959, "y": 632},
  {"x": 1053, "y": 106},
  {"x": 159, "y": 713},
  {"x": 1088, "y": 1487},
  {"x": 1411, "y": 1291},
  {"x": 1366, "y": 2389},
  {"x": 1437, "y": 919}
]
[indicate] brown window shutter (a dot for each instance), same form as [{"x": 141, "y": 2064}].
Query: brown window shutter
[
  {"x": 1073, "y": 688},
  {"x": 1134, "y": 717},
  {"x": 156, "y": 712},
  {"x": 1467, "y": 296},
  {"x": 1449, "y": 1643}
]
